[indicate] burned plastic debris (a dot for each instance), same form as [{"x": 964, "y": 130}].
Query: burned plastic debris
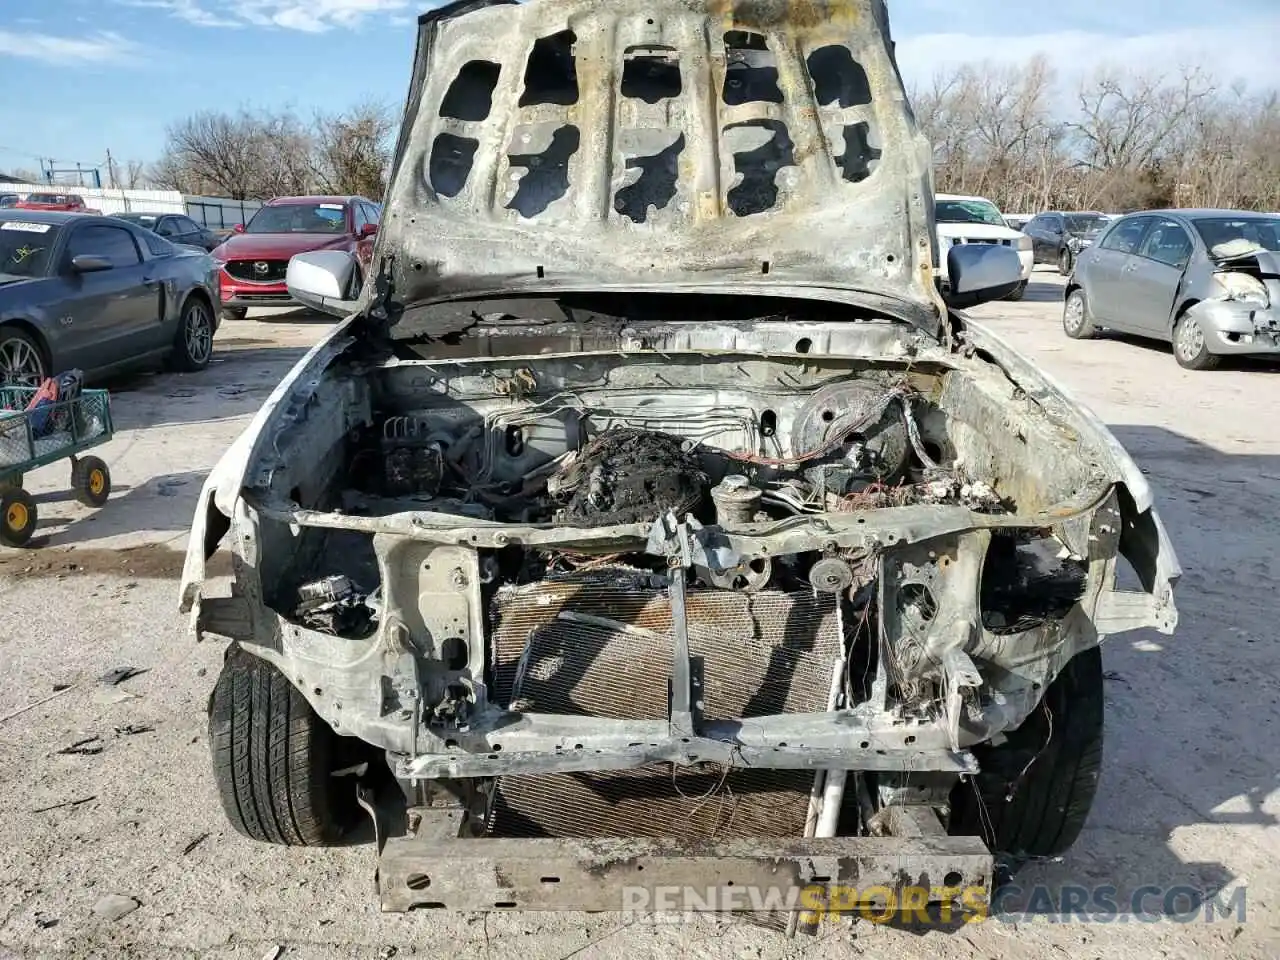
[{"x": 337, "y": 606}]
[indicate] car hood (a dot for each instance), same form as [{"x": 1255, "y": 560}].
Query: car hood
[
  {"x": 684, "y": 145},
  {"x": 276, "y": 246},
  {"x": 978, "y": 231}
]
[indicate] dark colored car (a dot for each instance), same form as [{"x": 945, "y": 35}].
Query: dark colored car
[
  {"x": 1058, "y": 237},
  {"x": 255, "y": 258},
  {"x": 176, "y": 228},
  {"x": 99, "y": 294}
]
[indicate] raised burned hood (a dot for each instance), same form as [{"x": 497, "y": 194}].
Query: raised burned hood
[{"x": 570, "y": 145}]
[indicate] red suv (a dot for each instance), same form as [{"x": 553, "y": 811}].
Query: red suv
[{"x": 253, "y": 260}]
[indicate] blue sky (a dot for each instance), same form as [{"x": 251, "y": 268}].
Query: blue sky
[{"x": 86, "y": 76}]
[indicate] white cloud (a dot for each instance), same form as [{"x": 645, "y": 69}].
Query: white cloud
[
  {"x": 1228, "y": 52},
  {"x": 309, "y": 16},
  {"x": 102, "y": 47}
]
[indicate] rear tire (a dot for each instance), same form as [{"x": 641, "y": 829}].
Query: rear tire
[
  {"x": 234, "y": 313},
  {"x": 1077, "y": 321},
  {"x": 1066, "y": 262},
  {"x": 1034, "y": 791},
  {"x": 91, "y": 481},
  {"x": 193, "y": 345},
  {"x": 17, "y": 516},
  {"x": 1018, "y": 293},
  {"x": 273, "y": 758}
]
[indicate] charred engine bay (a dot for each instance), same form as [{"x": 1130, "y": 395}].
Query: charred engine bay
[{"x": 736, "y": 442}]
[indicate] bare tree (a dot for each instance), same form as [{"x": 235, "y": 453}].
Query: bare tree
[{"x": 353, "y": 150}]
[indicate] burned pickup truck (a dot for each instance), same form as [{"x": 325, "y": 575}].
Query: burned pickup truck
[{"x": 650, "y": 519}]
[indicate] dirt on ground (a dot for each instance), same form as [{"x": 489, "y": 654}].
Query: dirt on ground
[{"x": 112, "y": 843}]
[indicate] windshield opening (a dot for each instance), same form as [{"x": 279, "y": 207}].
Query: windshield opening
[
  {"x": 300, "y": 218},
  {"x": 969, "y": 211},
  {"x": 49, "y": 198},
  {"x": 25, "y": 247},
  {"x": 1261, "y": 233},
  {"x": 1084, "y": 223}
]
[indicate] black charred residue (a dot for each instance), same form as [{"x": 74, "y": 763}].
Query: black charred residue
[
  {"x": 751, "y": 70},
  {"x": 838, "y": 78},
  {"x": 650, "y": 73},
  {"x": 859, "y": 158},
  {"x": 551, "y": 74},
  {"x": 547, "y": 179},
  {"x": 634, "y": 476},
  {"x": 451, "y": 160},
  {"x": 1026, "y": 583},
  {"x": 470, "y": 95},
  {"x": 758, "y": 167},
  {"x": 656, "y": 185}
]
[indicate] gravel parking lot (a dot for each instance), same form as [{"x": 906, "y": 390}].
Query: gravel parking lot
[{"x": 1188, "y": 795}]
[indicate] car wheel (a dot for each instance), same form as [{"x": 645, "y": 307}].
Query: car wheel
[
  {"x": 1035, "y": 789},
  {"x": 193, "y": 347},
  {"x": 274, "y": 758},
  {"x": 1189, "y": 346},
  {"x": 91, "y": 481},
  {"x": 234, "y": 313},
  {"x": 1077, "y": 322},
  {"x": 1066, "y": 262},
  {"x": 21, "y": 359},
  {"x": 1018, "y": 293}
]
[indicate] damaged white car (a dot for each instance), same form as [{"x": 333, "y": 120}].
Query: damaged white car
[{"x": 650, "y": 519}]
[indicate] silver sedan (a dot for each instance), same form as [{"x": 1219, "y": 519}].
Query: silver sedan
[{"x": 1207, "y": 281}]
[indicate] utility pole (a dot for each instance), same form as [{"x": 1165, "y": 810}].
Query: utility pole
[{"x": 111, "y": 172}]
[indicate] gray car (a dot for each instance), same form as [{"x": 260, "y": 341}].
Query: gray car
[
  {"x": 99, "y": 294},
  {"x": 1207, "y": 281}
]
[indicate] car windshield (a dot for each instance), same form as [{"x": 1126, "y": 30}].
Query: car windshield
[
  {"x": 146, "y": 220},
  {"x": 24, "y": 248},
  {"x": 1084, "y": 223},
  {"x": 969, "y": 211},
  {"x": 300, "y": 218},
  {"x": 1237, "y": 236}
]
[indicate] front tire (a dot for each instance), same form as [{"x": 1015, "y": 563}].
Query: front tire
[
  {"x": 273, "y": 758},
  {"x": 91, "y": 481},
  {"x": 21, "y": 359},
  {"x": 1077, "y": 321},
  {"x": 17, "y": 516},
  {"x": 1190, "y": 348},
  {"x": 1035, "y": 789},
  {"x": 234, "y": 313},
  {"x": 193, "y": 347},
  {"x": 1018, "y": 293},
  {"x": 1066, "y": 262}
]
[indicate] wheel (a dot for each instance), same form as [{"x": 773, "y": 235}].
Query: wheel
[
  {"x": 1077, "y": 321},
  {"x": 21, "y": 359},
  {"x": 1189, "y": 347},
  {"x": 1018, "y": 293},
  {"x": 17, "y": 516},
  {"x": 193, "y": 344},
  {"x": 1034, "y": 791},
  {"x": 273, "y": 758},
  {"x": 234, "y": 313},
  {"x": 91, "y": 481},
  {"x": 357, "y": 284},
  {"x": 1066, "y": 261}
]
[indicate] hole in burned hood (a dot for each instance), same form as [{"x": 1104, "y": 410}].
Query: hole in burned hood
[
  {"x": 470, "y": 95},
  {"x": 656, "y": 185},
  {"x": 751, "y": 70},
  {"x": 547, "y": 176},
  {"x": 551, "y": 74},
  {"x": 650, "y": 73},
  {"x": 758, "y": 165},
  {"x": 838, "y": 78},
  {"x": 860, "y": 158},
  {"x": 451, "y": 160}
]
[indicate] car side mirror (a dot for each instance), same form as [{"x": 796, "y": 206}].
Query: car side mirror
[
  {"x": 322, "y": 280},
  {"x": 89, "y": 263},
  {"x": 980, "y": 273},
  {"x": 368, "y": 230},
  {"x": 238, "y": 228}
]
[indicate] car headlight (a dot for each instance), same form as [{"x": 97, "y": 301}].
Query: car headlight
[
  {"x": 1025, "y": 243},
  {"x": 1243, "y": 288}
]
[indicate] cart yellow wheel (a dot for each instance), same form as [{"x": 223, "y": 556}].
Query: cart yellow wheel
[
  {"x": 91, "y": 481},
  {"x": 17, "y": 516}
]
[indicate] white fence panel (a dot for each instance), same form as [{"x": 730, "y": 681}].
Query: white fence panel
[{"x": 109, "y": 201}]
